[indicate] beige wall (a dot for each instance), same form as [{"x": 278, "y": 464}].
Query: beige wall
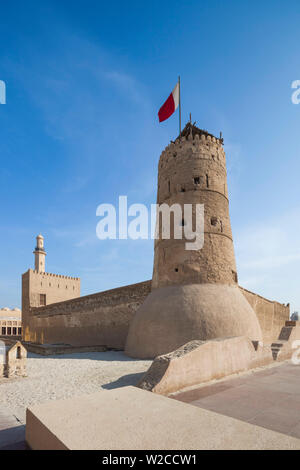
[
  {"x": 271, "y": 315},
  {"x": 55, "y": 287},
  {"x": 192, "y": 170},
  {"x": 7, "y": 313},
  {"x": 98, "y": 319},
  {"x": 104, "y": 318}
]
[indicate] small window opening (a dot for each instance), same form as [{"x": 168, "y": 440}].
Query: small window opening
[
  {"x": 214, "y": 221},
  {"x": 182, "y": 223},
  {"x": 197, "y": 180},
  {"x": 207, "y": 181},
  {"x": 42, "y": 300},
  {"x": 19, "y": 356},
  {"x": 169, "y": 186},
  {"x": 176, "y": 270},
  {"x": 182, "y": 190}
]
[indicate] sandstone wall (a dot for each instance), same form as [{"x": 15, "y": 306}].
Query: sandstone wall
[
  {"x": 271, "y": 314},
  {"x": 53, "y": 288},
  {"x": 97, "y": 319},
  {"x": 104, "y": 318},
  {"x": 192, "y": 170}
]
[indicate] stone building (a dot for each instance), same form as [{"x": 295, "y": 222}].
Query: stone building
[
  {"x": 193, "y": 294},
  {"x": 13, "y": 357},
  {"x": 10, "y": 322},
  {"x": 40, "y": 288}
]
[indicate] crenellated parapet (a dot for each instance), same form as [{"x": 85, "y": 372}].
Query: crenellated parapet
[
  {"x": 197, "y": 141},
  {"x": 192, "y": 163},
  {"x": 60, "y": 276}
]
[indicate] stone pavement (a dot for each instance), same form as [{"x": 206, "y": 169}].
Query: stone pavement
[
  {"x": 269, "y": 398},
  {"x": 12, "y": 433}
]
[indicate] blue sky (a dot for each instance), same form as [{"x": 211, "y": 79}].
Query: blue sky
[{"x": 85, "y": 80}]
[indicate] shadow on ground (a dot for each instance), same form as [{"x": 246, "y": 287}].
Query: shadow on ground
[
  {"x": 124, "y": 381},
  {"x": 13, "y": 438},
  {"x": 93, "y": 356}
]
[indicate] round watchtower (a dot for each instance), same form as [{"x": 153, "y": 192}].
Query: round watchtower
[
  {"x": 195, "y": 294},
  {"x": 193, "y": 171}
]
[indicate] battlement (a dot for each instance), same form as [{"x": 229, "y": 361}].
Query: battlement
[
  {"x": 59, "y": 276},
  {"x": 197, "y": 138},
  {"x": 192, "y": 133},
  {"x": 194, "y": 142}
]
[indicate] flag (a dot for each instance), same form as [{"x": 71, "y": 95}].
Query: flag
[{"x": 169, "y": 106}]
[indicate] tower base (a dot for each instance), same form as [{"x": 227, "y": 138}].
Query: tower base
[{"x": 172, "y": 316}]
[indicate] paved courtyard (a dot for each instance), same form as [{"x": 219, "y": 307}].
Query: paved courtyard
[
  {"x": 59, "y": 377},
  {"x": 269, "y": 398}
]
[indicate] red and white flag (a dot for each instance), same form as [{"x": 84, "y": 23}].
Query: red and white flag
[{"x": 170, "y": 106}]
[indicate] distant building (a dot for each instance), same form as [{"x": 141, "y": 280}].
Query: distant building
[
  {"x": 40, "y": 289},
  {"x": 10, "y": 322},
  {"x": 13, "y": 360}
]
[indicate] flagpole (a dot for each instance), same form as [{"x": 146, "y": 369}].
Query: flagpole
[{"x": 179, "y": 107}]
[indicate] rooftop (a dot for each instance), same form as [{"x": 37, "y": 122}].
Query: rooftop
[{"x": 191, "y": 128}]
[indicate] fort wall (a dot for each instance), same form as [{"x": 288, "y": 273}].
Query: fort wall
[
  {"x": 42, "y": 289},
  {"x": 104, "y": 318},
  {"x": 271, "y": 315},
  {"x": 97, "y": 319}
]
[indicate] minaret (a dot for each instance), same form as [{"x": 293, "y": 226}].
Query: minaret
[
  {"x": 195, "y": 294},
  {"x": 39, "y": 254}
]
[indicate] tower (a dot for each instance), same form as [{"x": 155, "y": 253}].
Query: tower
[
  {"x": 195, "y": 294},
  {"x": 39, "y": 254}
]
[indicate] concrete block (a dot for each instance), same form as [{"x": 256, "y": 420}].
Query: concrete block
[{"x": 133, "y": 419}]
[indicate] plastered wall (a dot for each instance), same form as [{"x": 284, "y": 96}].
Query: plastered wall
[
  {"x": 97, "y": 319},
  {"x": 271, "y": 315},
  {"x": 104, "y": 318}
]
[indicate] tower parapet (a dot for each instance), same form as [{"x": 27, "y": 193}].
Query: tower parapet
[{"x": 194, "y": 295}]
